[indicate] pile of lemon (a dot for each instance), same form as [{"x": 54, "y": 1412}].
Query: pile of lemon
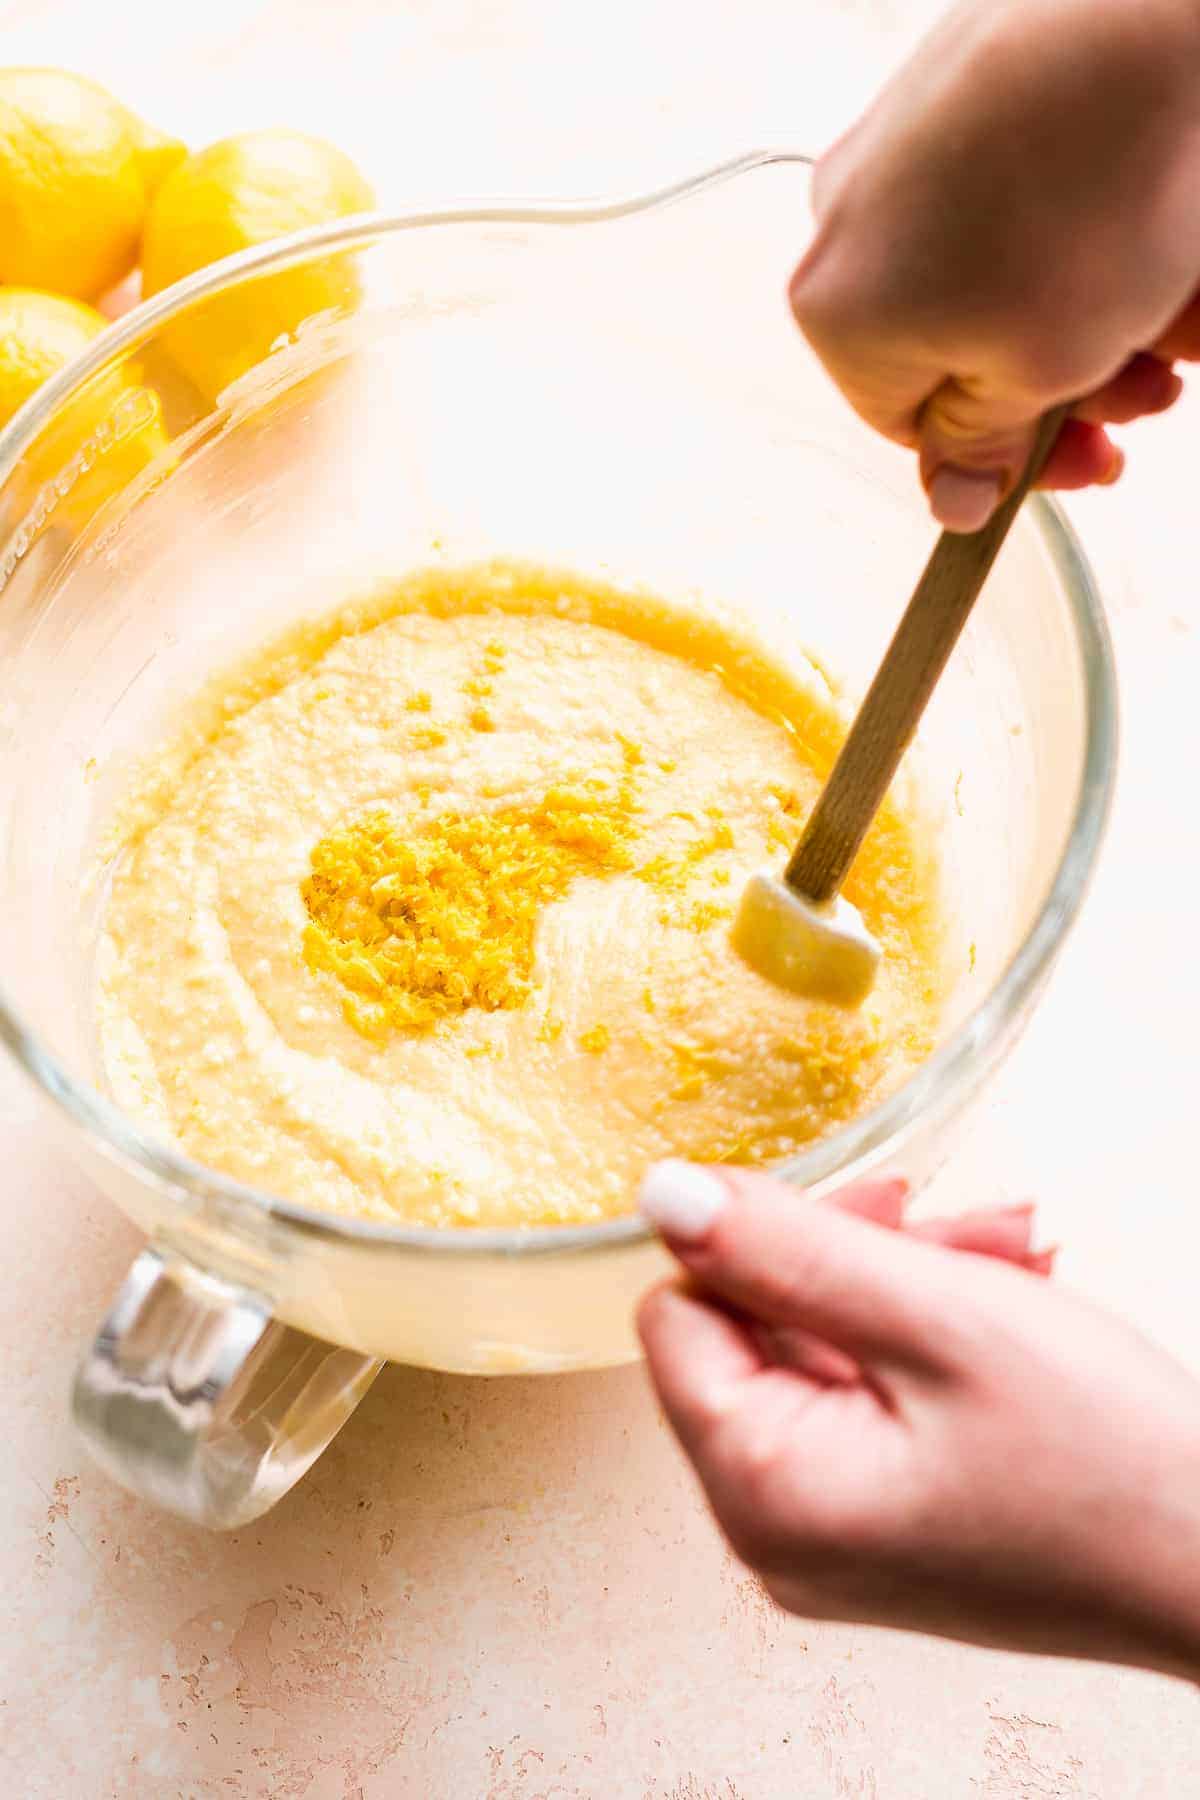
[{"x": 88, "y": 192}]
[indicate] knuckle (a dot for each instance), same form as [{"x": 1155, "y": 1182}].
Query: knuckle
[
  {"x": 1045, "y": 363},
  {"x": 848, "y": 326},
  {"x": 771, "y": 1514},
  {"x": 759, "y": 1511},
  {"x": 809, "y": 288},
  {"x": 787, "y": 1517},
  {"x": 741, "y": 1443},
  {"x": 833, "y": 298}
]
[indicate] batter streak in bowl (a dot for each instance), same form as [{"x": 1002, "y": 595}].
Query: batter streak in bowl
[{"x": 425, "y": 915}]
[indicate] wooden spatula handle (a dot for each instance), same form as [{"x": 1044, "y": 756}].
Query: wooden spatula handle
[{"x": 906, "y": 677}]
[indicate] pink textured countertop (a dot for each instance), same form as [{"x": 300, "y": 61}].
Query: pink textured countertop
[{"x": 510, "y": 1590}]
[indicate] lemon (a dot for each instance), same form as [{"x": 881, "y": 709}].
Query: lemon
[
  {"x": 76, "y": 172},
  {"x": 103, "y": 437},
  {"x": 242, "y": 191}
]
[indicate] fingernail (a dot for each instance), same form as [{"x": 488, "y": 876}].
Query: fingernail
[
  {"x": 888, "y": 1187},
  {"x": 682, "y": 1200},
  {"x": 964, "y": 499},
  {"x": 1114, "y": 471},
  {"x": 878, "y": 1198},
  {"x": 1171, "y": 392}
]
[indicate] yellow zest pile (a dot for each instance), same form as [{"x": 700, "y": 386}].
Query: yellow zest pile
[{"x": 421, "y": 921}]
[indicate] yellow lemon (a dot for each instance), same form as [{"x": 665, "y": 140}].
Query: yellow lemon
[
  {"x": 103, "y": 437},
  {"x": 77, "y": 170},
  {"x": 244, "y": 191}
]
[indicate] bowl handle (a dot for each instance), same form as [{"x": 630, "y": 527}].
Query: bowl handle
[{"x": 195, "y": 1397}]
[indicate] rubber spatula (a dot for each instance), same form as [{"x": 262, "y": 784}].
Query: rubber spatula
[{"x": 801, "y": 932}]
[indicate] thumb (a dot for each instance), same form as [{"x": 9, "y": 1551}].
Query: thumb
[
  {"x": 974, "y": 445},
  {"x": 778, "y": 1258}
]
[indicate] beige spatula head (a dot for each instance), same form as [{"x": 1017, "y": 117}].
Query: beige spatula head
[
  {"x": 800, "y": 932},
  {"x": 825, "y": 952}
]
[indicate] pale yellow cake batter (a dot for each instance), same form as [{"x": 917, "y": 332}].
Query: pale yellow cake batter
[{"x": 425, "y": 915}]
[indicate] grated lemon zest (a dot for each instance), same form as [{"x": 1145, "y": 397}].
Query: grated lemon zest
[{"x": 418, "y": 921}]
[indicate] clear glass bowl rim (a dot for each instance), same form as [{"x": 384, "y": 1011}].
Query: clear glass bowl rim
[{"x": 949, "y": 1071}]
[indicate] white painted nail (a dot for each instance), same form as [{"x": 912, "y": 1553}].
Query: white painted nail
[
  {"x": 682, "y": 1200},
  {"x": 963, "y": 499}
]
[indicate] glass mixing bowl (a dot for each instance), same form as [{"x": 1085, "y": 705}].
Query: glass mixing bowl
[{"x": 615, "y": 388}]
